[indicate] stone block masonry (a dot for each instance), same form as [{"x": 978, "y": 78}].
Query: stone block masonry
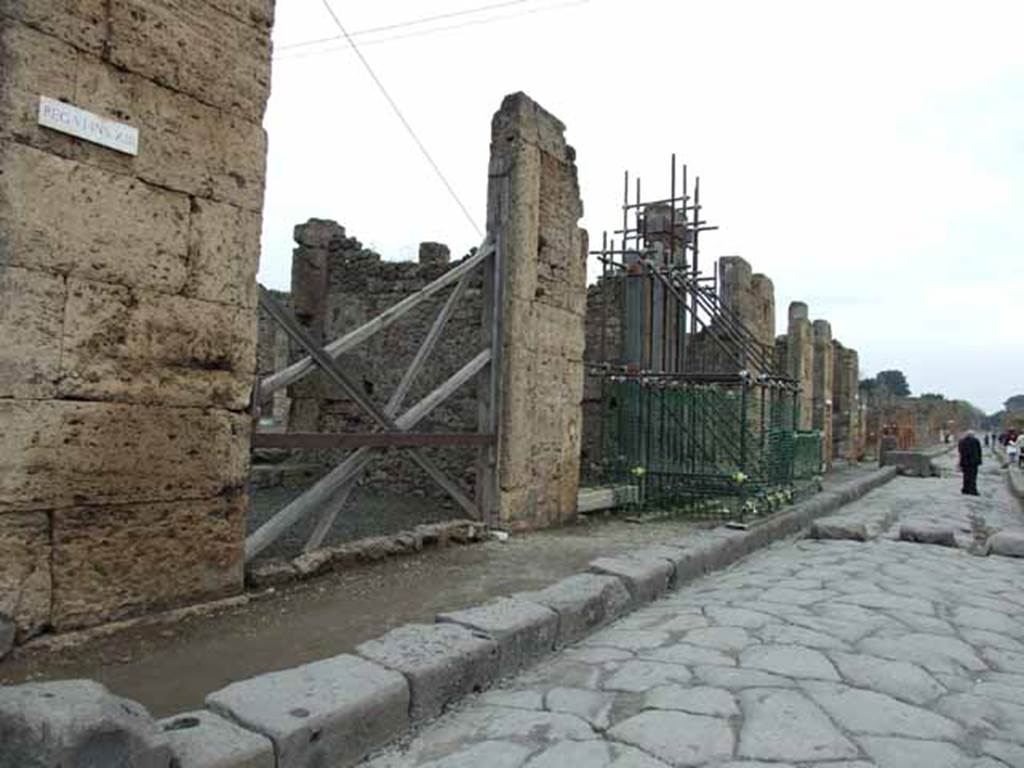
[
  {"x": 337, "y": 285},
  {"x": 533, "y": 210},
  {"x": 126, "y": 304}
]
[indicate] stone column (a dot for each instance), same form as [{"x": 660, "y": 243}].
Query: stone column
[
  {"x": 310, "y": 268},
  {"x": 534, "y": 206},
  {"x": 845, "y": 402},
  {"x": 800, "y": 361},
  {"x": 822, "y": 405},
  {"x": 127, "y": 305}
]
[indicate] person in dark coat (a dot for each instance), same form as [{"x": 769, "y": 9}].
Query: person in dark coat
[{"x": 970, "y": 460}]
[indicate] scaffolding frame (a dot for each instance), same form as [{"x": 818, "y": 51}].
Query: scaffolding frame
[{"x": 694, "y": 408}]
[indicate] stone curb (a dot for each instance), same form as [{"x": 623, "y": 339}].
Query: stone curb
[
  {"x": 1015, "y": 479},
  {"x": 350, "y": 705}
]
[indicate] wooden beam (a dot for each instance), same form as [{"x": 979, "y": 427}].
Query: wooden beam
[
  {"x": 398, "y": 396},
  {"x": 326, "y": 488},
  {"x": 327, "y": 440},
  {"x": 336, "y": 348}
]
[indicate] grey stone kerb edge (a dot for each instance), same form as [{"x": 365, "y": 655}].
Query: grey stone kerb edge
[{"x": 338, "y": 710}]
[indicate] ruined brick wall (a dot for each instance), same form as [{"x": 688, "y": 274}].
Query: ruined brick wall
[
  {"x": 534, "y": 207},
  {"x": 337, "y": 285},
  {"x": 127, "y": 304}
]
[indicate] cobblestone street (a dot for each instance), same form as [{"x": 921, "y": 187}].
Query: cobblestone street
[{"x": 809, "y": 653}]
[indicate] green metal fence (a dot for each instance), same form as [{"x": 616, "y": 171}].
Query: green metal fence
[{"x": 705, "y": 450}]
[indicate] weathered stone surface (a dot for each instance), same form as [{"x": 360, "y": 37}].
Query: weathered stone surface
[
  {"x": 593, "y": 706},
  {"x": 837, "y": 528},
  {"x": 77, "y": 723},
  {"x": 8, "y": 629},
  {"x": 912, "y": 753},
  {"x": 534, "y": 205},
  {"x": 31, "y": 321},
  {"x": 223, "y": 250},
  {"x": 325, "y": 713},
  {"x": 583, "y": 603},
  {"x": 25, "y": 577},
  {"x": 192, "y": 47},
  {"x": 636, "y": 676},
  {"x": 202, "y": 739},
  {"x": 66, "y": 217},
  {"x": 783, "y": 725},
  {"x": 593, "y": 754},
  {"x": 910, "y": 463},
  {"x": 113, "y": 561},
  {"x": 857, "y": 711},
  {"x": 442, "y": 662},
  {"x": 645, "y": 579},
  {"x": 81, "y": 23},
  {"x": 185, "y": 145},
  {"x": 523, "y": 631},
  {"x": 678, "y": 738},
  {"x": 897, "y": 678},
  {"x": 789, "y": 660},
  {"x": 133, "y": 346},
  {"x": 697, "y": 700},
  {"x": 1007, "y": 543},
  {"x": 923, "y": 533},
  {"x": 59, "y": 453}
]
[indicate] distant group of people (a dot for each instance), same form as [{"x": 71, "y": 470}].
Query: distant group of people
[{"x": 1013, "y": 442}]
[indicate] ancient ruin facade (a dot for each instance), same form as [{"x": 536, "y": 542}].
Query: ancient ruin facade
[
  {"x": 127, "y": 292},
  {"x": 338, "y": 285},
  {"x": 533, "y": 213}
]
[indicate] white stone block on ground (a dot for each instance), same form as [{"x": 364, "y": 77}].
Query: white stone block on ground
[
  {"x": 583, "y": 602},
  {"x": 1006, "y": 543},
  {"x": 923, "y": 533},
  {"x": 442, "y": 663},
  {"x": 645, "y": 579},
  {"x": 838, "y": 528},
  {"x": 77, "y": 723},
  {"x": 333, "y": 711},
  {"x": 203, "y": 739},
  {"x": 524, "y": 631}
]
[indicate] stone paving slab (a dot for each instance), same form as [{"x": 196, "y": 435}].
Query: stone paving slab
[{"x": 841, "y": 653}]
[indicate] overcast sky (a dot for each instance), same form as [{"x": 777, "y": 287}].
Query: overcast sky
[{"x": 867, "y": 156}]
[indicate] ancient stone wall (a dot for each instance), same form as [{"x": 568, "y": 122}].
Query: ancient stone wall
[
  {"x": 337, "y": 285},
  {"x": 605, "y": 325},
  {"x": 846, "y": 438},
  {"x": 751, "y": 296},
  {"x": 822, "y": 404},
  {"x": 533, "y": 209},
  {"x": 127, "y": 304},
  {"x": 799, "y": 354}
]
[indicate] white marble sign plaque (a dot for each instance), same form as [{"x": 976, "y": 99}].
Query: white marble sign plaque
[{"x": 85, "y": 125}]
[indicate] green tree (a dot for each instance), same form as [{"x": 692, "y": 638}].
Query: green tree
[
  {"x": 893, "y": 382},
  {"x": 1015, "y": 404}
]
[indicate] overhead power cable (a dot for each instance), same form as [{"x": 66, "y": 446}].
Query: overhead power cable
[
  {"x": 403, "y": 24},
  {"x": 401, "y": 117},
  {"x": 297, "y": 55}
]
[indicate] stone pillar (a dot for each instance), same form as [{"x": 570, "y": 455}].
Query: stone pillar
[
  {"x": 434, "y": 254},
  {"x": 533, "y": 207},
  {"x": 845, "y": 402},
  {"x": 822, "y": 405},
  {"x": 310, "y": 270},
  {"x": 762, "y": 310},
  {"x": 127, "y": 305},
  {"x": 800, "y": 361}
]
